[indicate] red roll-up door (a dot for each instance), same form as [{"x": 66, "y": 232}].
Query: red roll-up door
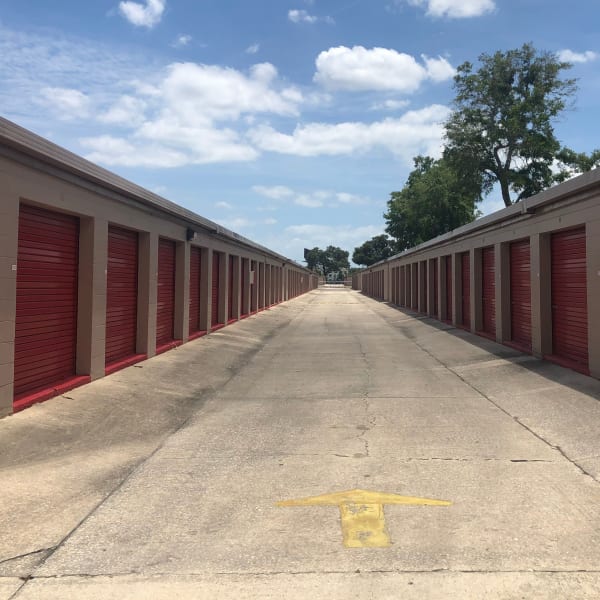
[
  {"x": 165, "y": 305},
  {"x": 195, "y": 274},
  {"x": 466, "y": 289},
  {"x": 569, "y": 298},
  {"x": 245, "y": 287},
  {"x": 230, "y": 289},
  {"x": 261, "y": 286},
  {"x": 435, "y": 287},
  {"x": 121, "y": 294},
  {"x": 520, "y": 294},
  {"x": 448, "y": 288},
  {"x": 254, "y": 276},
  {"x": 216, "y": 283},
  {"x": 402, "y": 286},
  {"x": 46, "y": 309},
  {"x": 488, "y": 297},
  {"x": 425, "y": 288}
]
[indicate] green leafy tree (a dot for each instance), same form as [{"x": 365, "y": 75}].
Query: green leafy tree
[
  {"x": 434, "y": 200},
  {"x": 330, "y": 260},
  {"x": 572, "y": 163},
  {"x": 501, "y": 128},
  {"x": 377, "y": 248}
]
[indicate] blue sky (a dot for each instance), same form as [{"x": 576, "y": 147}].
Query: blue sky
[{"x": 288, "y": 121}]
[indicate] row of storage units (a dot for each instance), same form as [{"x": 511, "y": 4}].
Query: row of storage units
[
  {"x": 100, "y": 274},
  {"x": 527, "y": 276}
]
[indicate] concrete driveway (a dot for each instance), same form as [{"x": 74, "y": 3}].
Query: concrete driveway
[{"x": 163, "y": 480}]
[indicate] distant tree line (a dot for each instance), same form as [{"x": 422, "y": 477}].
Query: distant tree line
[
  {"x": 499, "y": 135},
  {"x": 331, "y": 261}
]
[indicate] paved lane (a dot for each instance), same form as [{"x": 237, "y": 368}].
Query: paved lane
[{"x": 352, "y": 394}]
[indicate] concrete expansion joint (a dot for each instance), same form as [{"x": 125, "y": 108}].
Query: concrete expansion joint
[
  {"x": 554, "y": 447},
  {"x": 477, "y": 459},
  {"x": 26, "y": 554},
  {"x": 441, "y": 570},
  {"x": 515, "y": 418},
  {"x": 358, "y": 571}
]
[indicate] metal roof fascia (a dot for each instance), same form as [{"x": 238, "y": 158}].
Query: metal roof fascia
[
  {"x": 527, "y": 206},
  {"x": 29, "y": 143}
]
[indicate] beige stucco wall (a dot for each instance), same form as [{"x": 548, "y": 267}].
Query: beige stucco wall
[
  {"x": 577, "y": 208},
  {"x": 98, "y": 208}
]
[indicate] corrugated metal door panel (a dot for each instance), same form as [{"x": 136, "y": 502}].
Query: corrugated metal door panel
[
  {"x": 520, "y": 294},
  {"x": 245, "y": 286},
  {"x": 466, "y": 289},
  {"x": 569, "y": 296},
  {"x": 230, "y": 289},
  {"x": 165, "y": 298},
  {"x": 121, "y": 294},
  {"x": 46, "y": 309},
  {"x": 402, "y": 286},
  {"x": 195, "y": 275},
  {"x": 216, "y": 283},
  {"x": 435, "y": 287},
  {"x": 448, "y": 288},
  {"x": 488, "y": 299},
  {"x": 254, "y": 275},
  {"x": 425, "y": 287}
]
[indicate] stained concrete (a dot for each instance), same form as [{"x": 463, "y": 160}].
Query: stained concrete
[{"x": 177, "y": 494}]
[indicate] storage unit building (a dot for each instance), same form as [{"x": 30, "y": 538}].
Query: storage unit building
[
  {"x": 527, "y": 276},
  {"x": 100, "y": 273}
]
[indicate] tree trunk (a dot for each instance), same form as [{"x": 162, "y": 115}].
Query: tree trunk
[{"x": 505, "y": 191}]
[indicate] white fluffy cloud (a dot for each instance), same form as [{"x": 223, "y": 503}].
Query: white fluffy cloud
[
  {"x": 415, "y": 132},
  {"x": 111, "y": 150},
  {"x": 381, "y": 69},
  {"x": 224, "y": 205},
  {"x": 67, "y": 103},
  {"x": 198, "y": 92},
  {"x": 274, "y": 192},
  {"x": 182, "y": 41},
  {"x": 577, "y": 57},
  {"x": 143, "y": 15},
  {"x": 127, "y": 110},
  {"x": 312, "y": 199},
  {"x": 301, "y": 16},
  {"x": 193, "y": 115},
  {"x": 455, "y": 9},
  {"x": 390, "y": 105},
  {"x": 343, "y": 236},
  {"x": 253, "y": 49}
]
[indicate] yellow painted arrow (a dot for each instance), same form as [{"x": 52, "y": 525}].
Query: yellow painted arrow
[{"x": 361, "y": 512}]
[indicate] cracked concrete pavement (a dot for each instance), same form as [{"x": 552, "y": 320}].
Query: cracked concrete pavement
[{"x": 161, "y": 480}]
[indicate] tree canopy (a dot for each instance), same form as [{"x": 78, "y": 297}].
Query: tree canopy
[
  {"x": 501, "y": 128},
  {"x": 572, "y": 163},
  {"x": 377, "y": 248},
  {"x": 330, "y": 260},
  {"x": 434, "y": 200}
]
